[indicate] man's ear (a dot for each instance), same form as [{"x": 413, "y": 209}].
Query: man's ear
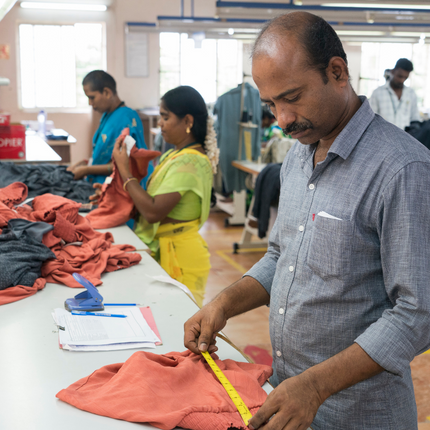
[{"x": 338, "y": 70}]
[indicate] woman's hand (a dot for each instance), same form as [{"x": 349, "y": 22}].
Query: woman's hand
[
  {"x": 80, "y": 172},
  {"x": 79, "y": 169},
  {"x": 94, "y": 199},
  {"x": 120, "y": 156},
  {"x": 76, "y": 165}
]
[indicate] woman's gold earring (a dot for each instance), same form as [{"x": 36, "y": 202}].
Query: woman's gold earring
[{"x": 188, "y": 130}]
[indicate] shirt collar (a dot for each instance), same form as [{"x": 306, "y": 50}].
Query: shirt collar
[
  {"x": 348, "y": 138},
  {"x": 390, "y": 88}
]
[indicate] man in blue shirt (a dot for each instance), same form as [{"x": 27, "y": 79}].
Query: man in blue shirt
[
  {"x": 346, "y": 270},
  {"x": 100, "y": 88}
]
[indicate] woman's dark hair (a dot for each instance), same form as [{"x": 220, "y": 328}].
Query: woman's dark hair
[
  {"x": 98, "y": 80},
  {"x": 185, "y": 100}
]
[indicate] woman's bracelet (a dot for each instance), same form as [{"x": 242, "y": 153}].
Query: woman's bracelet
[{"x": 127, "y": 181}]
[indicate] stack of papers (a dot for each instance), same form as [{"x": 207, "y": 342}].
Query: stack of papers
[{"x": 96, "y": 333}]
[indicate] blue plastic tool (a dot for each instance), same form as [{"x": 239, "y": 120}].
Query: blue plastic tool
[{"x": 90, "y": 300}]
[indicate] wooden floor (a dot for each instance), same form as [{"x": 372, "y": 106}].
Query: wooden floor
[{"x": 252, "y": 328}]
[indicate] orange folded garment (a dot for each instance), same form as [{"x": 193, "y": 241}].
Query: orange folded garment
[
  {"x": 69, "y": 226},
  {"x": 90, "y": 259},
  {"x": 115, "y": 205},
  {"x": 11, "y": 195},
  {"x": 175, "y": 389},
  {"x": 13, "y": 294}
]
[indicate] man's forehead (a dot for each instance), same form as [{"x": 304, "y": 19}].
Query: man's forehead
[
  {"x": 280, "y": 73},
  {"x": 275, "y": 44}
]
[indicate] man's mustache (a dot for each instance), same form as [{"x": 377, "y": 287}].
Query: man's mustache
[{"x": 298, "y": 127}]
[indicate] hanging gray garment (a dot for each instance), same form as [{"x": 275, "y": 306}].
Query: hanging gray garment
[
  {"x": 266, "y": 194},
  {"x": 227, "y": 109},
  {"x": 22, "y": 252}
]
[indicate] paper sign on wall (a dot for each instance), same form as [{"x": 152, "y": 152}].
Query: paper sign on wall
[{"x": 136, "y": 54}]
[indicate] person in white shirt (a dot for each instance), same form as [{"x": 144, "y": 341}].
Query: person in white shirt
[{"x": 394, "y": 101}]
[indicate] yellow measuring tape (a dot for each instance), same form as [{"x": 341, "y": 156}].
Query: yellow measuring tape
[{"x": 240, "y": 405}]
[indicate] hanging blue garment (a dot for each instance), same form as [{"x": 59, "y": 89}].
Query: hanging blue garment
[
  {"x": 227, "y": 109},
  {"x": 111, "y": 126}
]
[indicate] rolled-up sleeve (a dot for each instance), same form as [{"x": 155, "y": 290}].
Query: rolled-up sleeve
[{"x": 404, "y": 230}]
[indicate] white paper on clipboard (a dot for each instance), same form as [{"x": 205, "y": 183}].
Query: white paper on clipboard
[{"x": 136, "y": 54}]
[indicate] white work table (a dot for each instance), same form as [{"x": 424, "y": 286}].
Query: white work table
[
  {"x": 33, "y": 369},
  {"x": 124, "y": 234}
]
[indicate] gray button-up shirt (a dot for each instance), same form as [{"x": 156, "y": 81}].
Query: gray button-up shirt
[{"x": 349, "y": 261}]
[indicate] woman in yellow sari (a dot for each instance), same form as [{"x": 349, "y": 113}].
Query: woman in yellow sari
[{"x": 178, "y": 196}]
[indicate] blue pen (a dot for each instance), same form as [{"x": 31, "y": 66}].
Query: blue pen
[
  {"x": 121, "y": 304},
  {"x": 99, "y": 314}
]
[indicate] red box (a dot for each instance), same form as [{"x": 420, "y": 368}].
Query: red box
[
  {"x": 12, "y": 142},
  {"x": 4, "y": 118}
]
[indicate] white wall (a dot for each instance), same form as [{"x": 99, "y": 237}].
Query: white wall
[{"x": 353, "y": 54}]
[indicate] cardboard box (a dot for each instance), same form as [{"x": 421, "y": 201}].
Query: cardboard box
[
  {"x": 12, "y": 142},
  {"x": 4, "y": 118}
]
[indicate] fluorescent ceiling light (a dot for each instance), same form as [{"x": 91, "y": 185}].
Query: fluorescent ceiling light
[
  {"x": 410, "y": 34},
  {"x": 359, "y": 33},
  {"x": 377, "y": 6},
  {"x": 64, "y": 6}
]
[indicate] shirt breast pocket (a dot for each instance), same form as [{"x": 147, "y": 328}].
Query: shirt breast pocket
[{"x": 330, "y": 249}]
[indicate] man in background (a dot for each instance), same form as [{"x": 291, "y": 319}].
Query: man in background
[
  {"x": 100, "y": 88},
  {"x": 395, "y": 102}
]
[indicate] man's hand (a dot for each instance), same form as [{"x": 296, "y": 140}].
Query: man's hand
[
  {"x": 200, "y": 330},
  {"x": 296, "y": 400},
  {"x": 294, "y": 404}
]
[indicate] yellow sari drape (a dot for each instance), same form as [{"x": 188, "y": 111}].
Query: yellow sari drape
[
  {"x": 178, "y": 247},
  {"x": 184, "y": 255}
]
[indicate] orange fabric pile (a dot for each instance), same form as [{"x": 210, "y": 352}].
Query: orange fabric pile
[
  {"x": 115, "y": 205},
  {"x": 77, "y": 246},
  {"x": 10, "y": 196},
  {"x": 175, "y": 389}
]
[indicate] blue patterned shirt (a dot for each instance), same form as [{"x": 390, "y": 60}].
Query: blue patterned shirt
[{"x": 349, "y": 261}]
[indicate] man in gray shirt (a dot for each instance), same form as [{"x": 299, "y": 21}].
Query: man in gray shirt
[{"x": 346, "y": 271}]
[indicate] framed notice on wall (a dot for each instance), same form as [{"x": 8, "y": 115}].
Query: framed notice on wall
[{"x": 136, "y": 54}]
